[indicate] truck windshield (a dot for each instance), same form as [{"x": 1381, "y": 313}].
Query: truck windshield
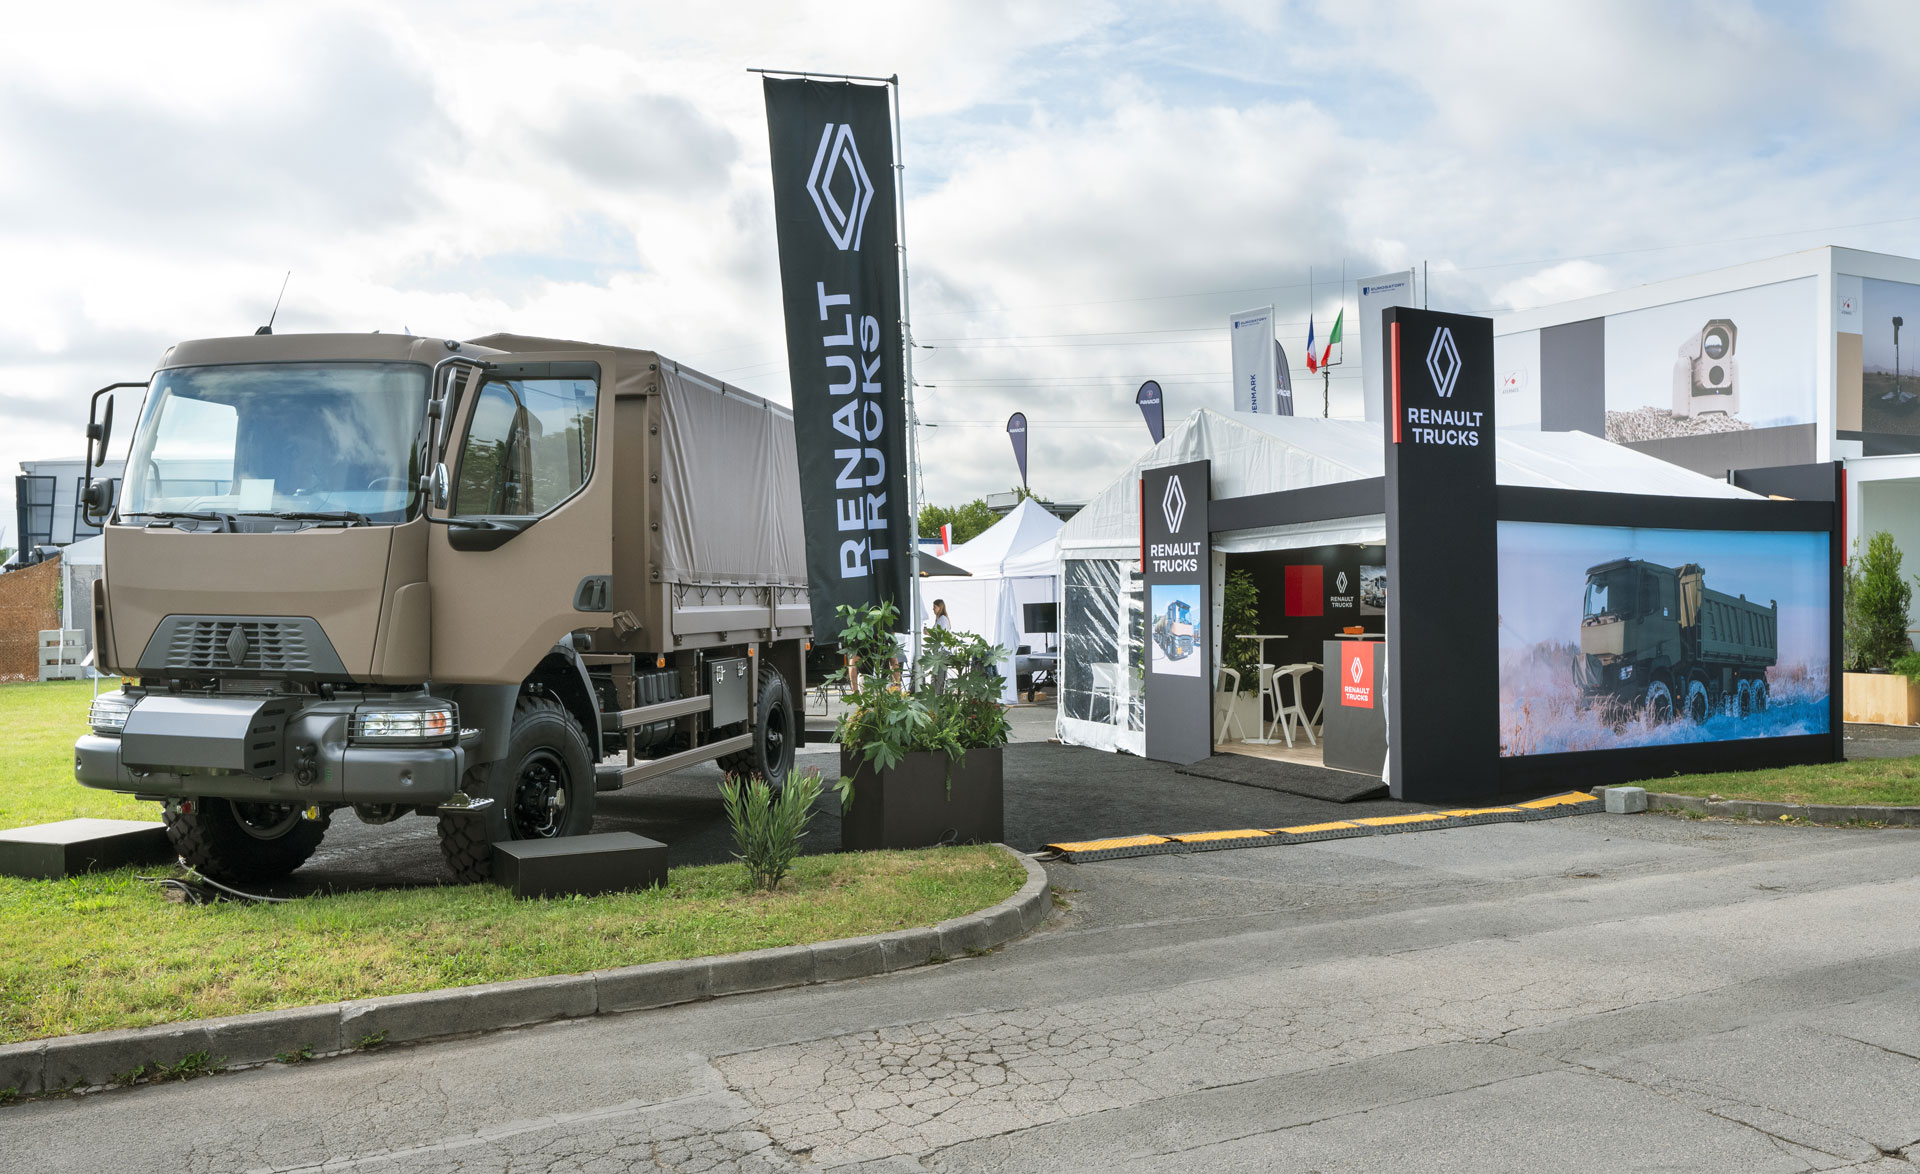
[
  {"x": 308, "y": 438},
  {"x": 1614, "y": 593}
]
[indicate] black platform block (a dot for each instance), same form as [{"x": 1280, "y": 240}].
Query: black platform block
[
  {"x": 610, "y": 862},
  {"x": 50, "y": 851}
]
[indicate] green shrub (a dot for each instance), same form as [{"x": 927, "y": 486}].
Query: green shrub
[
  {"x": 767, "y": 828},
  {"x": 1875, "y": 608}
]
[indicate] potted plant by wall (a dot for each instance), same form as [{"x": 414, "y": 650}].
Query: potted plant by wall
[
  {"x": 919, "y": 758},
  {"x": 1880, "y": 684},
  {"x": 1238, "y": 715}
]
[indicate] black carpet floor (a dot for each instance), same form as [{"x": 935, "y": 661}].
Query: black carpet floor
[{"x": 1311, "y": 782}]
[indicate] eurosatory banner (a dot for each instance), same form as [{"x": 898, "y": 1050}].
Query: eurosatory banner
[
  {"x": 834, "y": 213},
  {"x": 1375, "y": 295}
]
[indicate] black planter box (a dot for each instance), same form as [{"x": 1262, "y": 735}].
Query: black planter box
[
  {"x": 909, "y": 806},
  {"x": 609, "y": 862}
]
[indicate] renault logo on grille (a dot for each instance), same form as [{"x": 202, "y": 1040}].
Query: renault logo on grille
[{"x": 236, "y": 645}]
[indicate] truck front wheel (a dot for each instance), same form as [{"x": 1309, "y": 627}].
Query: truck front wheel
[
  {"x": 541, "y": 789},
  {"x": 774, "y": 734},
  {"x": 243, "y": 843}
]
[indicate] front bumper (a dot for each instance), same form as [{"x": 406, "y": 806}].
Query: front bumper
[{"x": 316, "y": 750}]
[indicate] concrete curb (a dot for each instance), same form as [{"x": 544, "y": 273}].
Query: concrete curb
[
  {"x": 77, "y": 1063},
  {"x": 1821, "y": 813}
]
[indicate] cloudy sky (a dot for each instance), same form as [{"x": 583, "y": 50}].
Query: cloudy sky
[{"x": 1091, "y": 189}]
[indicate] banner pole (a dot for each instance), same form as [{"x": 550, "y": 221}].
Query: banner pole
[{"x": 906, "y": 359}]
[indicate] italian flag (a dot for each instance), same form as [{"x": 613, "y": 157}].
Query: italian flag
[{"x": 1331, "y": 339}]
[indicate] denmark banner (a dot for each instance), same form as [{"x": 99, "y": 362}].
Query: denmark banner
[
  {"x": 834, "y": 213},
  {"x": 1251, "y": 334}
]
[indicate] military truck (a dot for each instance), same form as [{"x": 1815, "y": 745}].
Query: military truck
[
  {"x": 1658, "y": 641},
  {"x": 399, "y": 575}
]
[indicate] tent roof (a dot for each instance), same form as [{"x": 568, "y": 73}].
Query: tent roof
[
  {"x": 1267, "y": 454},
  {"x": 935, "y": 566},
  {"x": 1027, "y": 526},
  {"x": 88, "y": 552}
]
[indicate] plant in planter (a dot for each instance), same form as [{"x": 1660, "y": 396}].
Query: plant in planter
[
  {"x": 920, "y": 762},
  {"x": 1874, "y": 624},
  {"x": 1875, "y": 609}
]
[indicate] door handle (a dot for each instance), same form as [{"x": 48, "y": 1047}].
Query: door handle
[{"x": 595, "y": 593}]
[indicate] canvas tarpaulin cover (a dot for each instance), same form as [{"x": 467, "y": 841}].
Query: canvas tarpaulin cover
[{"x": 729, "y": 476}]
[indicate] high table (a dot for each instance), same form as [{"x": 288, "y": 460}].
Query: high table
[{"x": 1266, "y": 727}]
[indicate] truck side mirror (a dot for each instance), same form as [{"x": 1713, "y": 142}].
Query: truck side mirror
[
  {"x": 440, "y": 494},
  {"x": 97, "y": 501},
  {"x": 99, "y": 433}
]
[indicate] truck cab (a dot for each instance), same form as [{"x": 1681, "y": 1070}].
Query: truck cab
[{"x": 400, "y": 575}]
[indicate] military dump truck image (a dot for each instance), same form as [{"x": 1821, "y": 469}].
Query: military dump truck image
[
  {"x": 1658, "y": 641},
  {"x": 400, "y": 576},
  {"x": 1174, "y": 632}
]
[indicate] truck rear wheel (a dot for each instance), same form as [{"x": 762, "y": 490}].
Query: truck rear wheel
[
  {"x": 1759, "y": 697},
  {"x": 1659, "y": 709},
  {"x": 774, "y": 734},
  {"x": 1698, "y": 708},
  {"x": 243, "y": 843},
  {"x": 543, "y": 788}
]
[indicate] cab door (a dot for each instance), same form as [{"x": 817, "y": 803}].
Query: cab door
[{"x": 526, "y": 554}]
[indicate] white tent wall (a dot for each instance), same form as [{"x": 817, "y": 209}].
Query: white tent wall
[
  {"x": 1261, "y": 454},
  {"x": 981, "y": 607},
  {"x": 80, "y": 564}
]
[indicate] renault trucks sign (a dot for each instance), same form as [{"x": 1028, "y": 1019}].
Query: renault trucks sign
[
  {"x": 834, "y": 211},
  {"x": 1176, "y": 573}
]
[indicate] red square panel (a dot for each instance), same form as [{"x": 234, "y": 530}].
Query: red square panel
[{"x": 1306, "y": 595}]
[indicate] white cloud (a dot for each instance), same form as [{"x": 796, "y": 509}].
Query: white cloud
[{"x": 1092, "y": 188}]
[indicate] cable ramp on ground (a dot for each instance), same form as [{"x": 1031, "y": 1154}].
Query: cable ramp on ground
[{"x": 1551, "y": 807}]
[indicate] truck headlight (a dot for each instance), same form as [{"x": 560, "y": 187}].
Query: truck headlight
[
  {"x": 403, "y": 725},
  {"x": 108, "y": 713},
  {"x": 1626, "y": 672}
]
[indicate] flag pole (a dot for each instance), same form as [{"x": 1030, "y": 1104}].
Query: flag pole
[{"x": 906, "y": 361}]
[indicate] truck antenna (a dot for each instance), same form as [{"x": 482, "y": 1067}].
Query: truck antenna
[{"x": 268, "y": 328}]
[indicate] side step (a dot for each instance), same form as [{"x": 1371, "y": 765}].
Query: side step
[{"x": 612, "y": 778}]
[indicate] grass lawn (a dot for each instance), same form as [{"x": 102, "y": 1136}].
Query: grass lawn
[
  {"x": 108, "y": 950},
  {"x": 1881, "y": 782}
]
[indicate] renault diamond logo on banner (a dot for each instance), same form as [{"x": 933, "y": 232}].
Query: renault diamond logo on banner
[
  {"x": 1443, "y": 362},
  {"x": 1174, "y": 505},
  {"x": 1355, "y": 670},
  {"x": 837, "y": 150},
  {"x": 1340, "y": 582}
]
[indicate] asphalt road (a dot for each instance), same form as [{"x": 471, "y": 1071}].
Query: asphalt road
[{"x": 1594, "y": 993}]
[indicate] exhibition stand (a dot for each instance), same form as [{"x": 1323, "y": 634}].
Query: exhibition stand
[{"x": 1539, "y": 627}]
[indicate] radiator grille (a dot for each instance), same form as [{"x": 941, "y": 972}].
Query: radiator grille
[{"x": 271, "y": 646}]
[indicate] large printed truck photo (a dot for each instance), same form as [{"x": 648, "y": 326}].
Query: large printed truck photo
[
  {"x": 401, "y": 575},
  {"x": 1659, "y": 642}
]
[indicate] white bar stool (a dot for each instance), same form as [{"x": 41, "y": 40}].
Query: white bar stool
[
  {"x": 1294, "y": 711},
  {"x": 1226, "y": 711}
]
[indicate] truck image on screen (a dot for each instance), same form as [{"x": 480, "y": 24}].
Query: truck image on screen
[
  {"x": 1173, "y": 632},
  {"x": 473, "y": 581},
  {"x": 1658, "y": 641}
]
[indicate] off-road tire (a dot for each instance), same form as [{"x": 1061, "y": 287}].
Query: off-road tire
[
  {"x": 1658, "y": 706},
  {"x": 243, "y": 843},
  {"x": 1698, "y": 707},
  {"x": 774, "y": 734},
  {"x": 545, "y": 740}
]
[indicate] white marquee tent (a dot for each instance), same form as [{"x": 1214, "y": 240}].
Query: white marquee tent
[
  {"x": 1102, "y": 621},
  {"x": 1012, "y": 563}
]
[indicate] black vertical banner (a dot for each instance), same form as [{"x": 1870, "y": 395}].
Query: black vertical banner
[
  {"x": 1443, "y": 614},
  {"x": 1150, "y": 399},
  {"x": 1017, "y": 432},
  {"x": 1176, "y": 574},
  {"x": 834, "y": 211}
]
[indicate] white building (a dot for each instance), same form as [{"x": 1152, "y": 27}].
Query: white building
[
  {"x": 1790, "y": 360},
  {"x": 46, "y": 497}
]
